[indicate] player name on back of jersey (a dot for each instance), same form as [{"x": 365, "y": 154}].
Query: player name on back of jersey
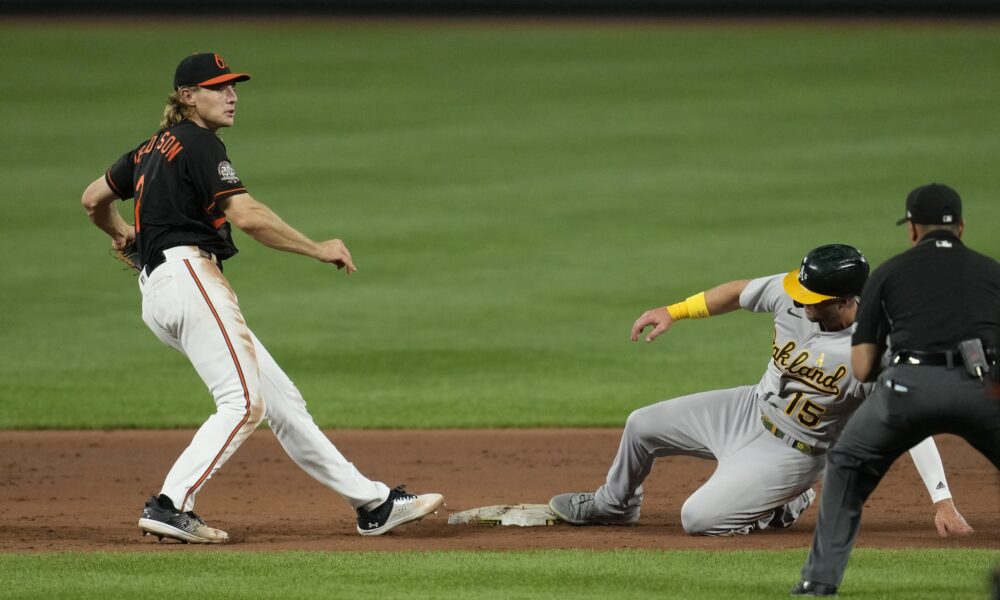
[
  {"x": 797, "y": 369},
  {"x": 168, "y": 145}
]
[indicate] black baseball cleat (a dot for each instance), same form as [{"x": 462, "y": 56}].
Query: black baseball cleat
[
  {"x": 813, "y": 588},
  {"x": 400, "y": 507},
  {"x": 160, "y": 518}
]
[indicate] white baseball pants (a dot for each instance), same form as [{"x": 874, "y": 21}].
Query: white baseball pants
[{"x": 190, "y": 306}]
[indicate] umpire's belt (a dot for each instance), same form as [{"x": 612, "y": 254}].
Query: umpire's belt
[
  {"x": 176, "y": 253},
  {"x": 802, "y": 447},
  {"x": 945, "y": 358}
]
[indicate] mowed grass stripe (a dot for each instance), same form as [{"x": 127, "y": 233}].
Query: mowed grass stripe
[
  {"x": 911, "y": 574},
  {"x": 515, "y": 196}
]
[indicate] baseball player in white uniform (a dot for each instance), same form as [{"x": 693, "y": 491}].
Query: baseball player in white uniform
[
  {"x": 770, "y": 438},
  {"x": 187, "y": 194}
]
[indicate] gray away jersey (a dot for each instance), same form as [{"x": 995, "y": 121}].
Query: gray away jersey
[{"x": 808, "y": 389}]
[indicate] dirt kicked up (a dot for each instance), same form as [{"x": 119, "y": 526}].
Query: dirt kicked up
[{"x": 83, "y": 490}]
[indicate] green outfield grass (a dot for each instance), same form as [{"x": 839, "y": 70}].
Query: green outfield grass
[
  {"x": 916, "y": 575},
  {"x": 514, "y": 195}
]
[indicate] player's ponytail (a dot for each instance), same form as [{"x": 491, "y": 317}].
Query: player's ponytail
[{"x": 174, "y": 112}]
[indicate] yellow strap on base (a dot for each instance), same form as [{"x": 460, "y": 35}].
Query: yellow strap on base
[{"x": 694, "y": 307}]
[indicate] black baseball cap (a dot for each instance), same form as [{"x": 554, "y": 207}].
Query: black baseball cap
[
  {"x": 933, "y": 204},
  {"x": 205, "y": 68}
]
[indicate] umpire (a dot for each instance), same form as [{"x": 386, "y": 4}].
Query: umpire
[{"x": 938, "y": 304}]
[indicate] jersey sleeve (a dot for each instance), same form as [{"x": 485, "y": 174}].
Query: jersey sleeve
[
  {"x": 119, "y": 176},
  {"x": 765, "y": 294},
  {"x": 210, "y": 169},
  {"x": 871, "y": 326}
]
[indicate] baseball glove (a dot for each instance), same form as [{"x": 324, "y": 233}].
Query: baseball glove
[{"x": 128, "y": 256}]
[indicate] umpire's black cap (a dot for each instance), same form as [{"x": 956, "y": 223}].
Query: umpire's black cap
[
  {"x": 205, "y": 68},
  {"x": 933, "y": 204}
]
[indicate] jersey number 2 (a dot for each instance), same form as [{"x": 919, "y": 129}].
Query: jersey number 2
[
  {"x": 138, "y": 199},
  {"x": 808, "y": 413}
]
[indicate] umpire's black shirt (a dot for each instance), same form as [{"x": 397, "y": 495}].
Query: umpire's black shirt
[{"x": 931, "y": 297}]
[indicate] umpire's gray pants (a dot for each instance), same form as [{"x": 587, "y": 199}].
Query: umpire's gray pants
[
  {"x": 757, "y": 472},
  {"x": 909, "y": 404}
]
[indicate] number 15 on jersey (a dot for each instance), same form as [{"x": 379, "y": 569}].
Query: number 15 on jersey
[{"x": 804, "y": 410}]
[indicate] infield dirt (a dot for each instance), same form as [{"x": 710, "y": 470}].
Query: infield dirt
[{"x": 83, "y": 490}]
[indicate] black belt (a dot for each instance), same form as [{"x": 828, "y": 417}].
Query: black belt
[
  {"x": 158, "y": 259},
  {"x": 938, "y": 359},
  {"x": 802, "y": 447},
  {"x": 944, "y": 358}
]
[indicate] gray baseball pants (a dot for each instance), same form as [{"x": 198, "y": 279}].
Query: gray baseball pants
[{"x": 757, "y": 475}]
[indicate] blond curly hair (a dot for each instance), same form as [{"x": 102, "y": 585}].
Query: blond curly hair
[{"x": 175, "y": 111}]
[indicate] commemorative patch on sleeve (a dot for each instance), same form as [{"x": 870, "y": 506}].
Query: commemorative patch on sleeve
[{"x": 227, "y": 173}]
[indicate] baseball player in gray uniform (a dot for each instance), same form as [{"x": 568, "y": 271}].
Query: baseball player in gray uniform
[{"x": 770, "y": 438}]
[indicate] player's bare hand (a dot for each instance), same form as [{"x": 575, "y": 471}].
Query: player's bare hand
[
  {"x": 335, "y": 252},
  {"x": 949, "y": 521},
  {"x": 657, "y": 318},
  {"x": 123, "y": 238}
]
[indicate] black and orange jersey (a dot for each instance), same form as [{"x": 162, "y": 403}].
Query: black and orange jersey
[{"x": 177, "y": 178}]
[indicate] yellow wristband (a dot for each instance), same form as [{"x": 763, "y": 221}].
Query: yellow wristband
[
  {"x": 679, "y": 311},
  {"x": 694, "y": 307}
]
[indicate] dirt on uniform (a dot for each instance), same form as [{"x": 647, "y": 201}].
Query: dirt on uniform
[{"x": 83, "y": 490}]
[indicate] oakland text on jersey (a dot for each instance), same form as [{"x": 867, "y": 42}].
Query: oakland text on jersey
[
  {"x": 168, "y": 145},
  {"x": 797, "y": 369}
]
